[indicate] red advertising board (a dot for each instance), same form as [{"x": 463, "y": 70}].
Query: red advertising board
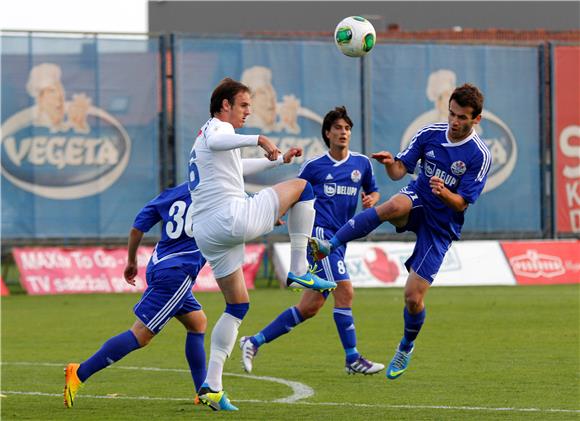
[
  {"x": 544, "y": 262},
  {"x": 3, "y": 289},
  {"x": 52, "y": 270},
  {"x": 567, "y": 137}
]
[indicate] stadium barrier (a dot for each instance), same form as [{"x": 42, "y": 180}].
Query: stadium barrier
[
  {"x": 467, "y": 263},
  {"x": 52, "y": 270}
]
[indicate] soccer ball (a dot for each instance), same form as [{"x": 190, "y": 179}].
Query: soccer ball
[{"x": 355, "y": 36}]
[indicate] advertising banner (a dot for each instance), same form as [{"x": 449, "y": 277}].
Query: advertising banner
[
  {"x": 3, "y": 288},
  {"x": 410, "y": 88},
  {"x": 294, "y": 84},
  {"x": 98, "y": 270},
  {"x": 566, "y": 117},
  {"x": 382, "y": 264},
  {"x": 79, "y": 146},
  {"x": 51, "y": 270},
  {"x": 544, "y": 262}
]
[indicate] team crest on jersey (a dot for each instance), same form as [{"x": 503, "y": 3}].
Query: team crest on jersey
[
  {"x": 330, "y": 189},
  {"x": 458, "y": 168},
  {"x": 355, "y": 176}
]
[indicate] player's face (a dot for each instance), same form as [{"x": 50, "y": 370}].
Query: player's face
[
  {"x": 239, "y": 110},
  {"x": 460, "y": 121},
  {"x": 339, "y": 134}
]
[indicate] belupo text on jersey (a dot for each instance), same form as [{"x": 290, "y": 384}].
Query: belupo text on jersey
[
  {"x": 331, "y": 189},
  {"x": 431, "y": 170}
]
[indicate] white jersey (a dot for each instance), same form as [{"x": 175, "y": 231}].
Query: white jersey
[{"x": 215, "y": 166}]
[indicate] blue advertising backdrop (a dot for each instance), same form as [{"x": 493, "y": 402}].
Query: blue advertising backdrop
[
  {"x": 80, "y": 120},
  {"x": 79, "y": 135},
  {"x": 411, "y": 86},
  {"x": 294, "y": 84}
]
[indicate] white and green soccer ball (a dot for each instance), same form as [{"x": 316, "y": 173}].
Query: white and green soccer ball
[{"x": 355, "y": 36}]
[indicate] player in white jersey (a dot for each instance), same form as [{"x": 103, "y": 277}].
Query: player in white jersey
[
  {"x": 338, "y": 178},
  {"x": 225, "y": 217},
  {"x": 454, "y": 163}
]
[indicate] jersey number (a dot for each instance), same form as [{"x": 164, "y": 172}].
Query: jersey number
[
  {"x": 193, "y": 179},
  {"x": 182, "y": 220}
]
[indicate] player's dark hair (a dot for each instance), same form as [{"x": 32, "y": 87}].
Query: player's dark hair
[
  {"x": 468, "y": 95},
  {"x": 227, "y": 89},
  {"x": 330, "y": 118}
]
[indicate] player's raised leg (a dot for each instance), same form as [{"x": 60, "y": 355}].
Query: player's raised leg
[
  {"x": 297, "y": 198},
  {"x": 394, "y": 210}
]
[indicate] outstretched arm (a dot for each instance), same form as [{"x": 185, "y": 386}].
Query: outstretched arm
[
  {"x": 255, "y": 165},
  {"x": 395, "y": 169},
  {"x": 130, "y": 271}
]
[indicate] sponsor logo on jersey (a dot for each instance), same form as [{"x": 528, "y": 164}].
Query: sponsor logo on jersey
[
  {"x": 430, "y": 154},
  {"x": 431, "y": 170},
  {"x": 329, "y": 177},
  {"x": 331, "y": 189},
  {"x": 355, "y": 176},
  {"x": 458, "y": 168},
  {"x": 52, "y": 149}
]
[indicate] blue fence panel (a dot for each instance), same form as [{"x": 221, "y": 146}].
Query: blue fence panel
[
  {"x": 411, "y": 85},
  {"x": 294, "y": 83},
  {"x": 79, "y": 135}
]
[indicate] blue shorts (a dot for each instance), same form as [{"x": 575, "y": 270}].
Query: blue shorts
[
  {"x": 168, "y": 294},
  {"x": 333, "y": 267},
  {"x": 430, "y": 247}
]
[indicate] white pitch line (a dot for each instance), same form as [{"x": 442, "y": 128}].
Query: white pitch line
[
  {"x": 358, "y": 405},
  {"x": 301, "y": 391}
]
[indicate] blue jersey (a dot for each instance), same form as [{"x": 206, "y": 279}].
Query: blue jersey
[
  {"x": 337, "y": 186},
  {"x": 177, "y": 247},
  {"x": 463, "y": 166}
]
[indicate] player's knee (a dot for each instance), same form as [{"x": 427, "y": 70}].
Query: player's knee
[
  {"x": 413, "y": 302},
  {"x": 237, "y": 310},
  {"x": 143, "y": 336},
  {"x": 310, "y": 309},
  {"x": 389, "y": 210},
  {"x": 200, "y": 323}
]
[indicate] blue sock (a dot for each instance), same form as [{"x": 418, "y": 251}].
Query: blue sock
[
  {"x": 238, "y": 310},
  {"x": 361, "y": 225},
  {"x": 111, "y": 351},
  {"x": 279, "y": 326},
  {"x": 413, "y": 324},
  {"x": 195, "y": 354},
  {"x": 345, "y": 326}
]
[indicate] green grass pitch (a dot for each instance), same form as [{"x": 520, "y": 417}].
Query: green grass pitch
[{"x": 484, "y": 353}]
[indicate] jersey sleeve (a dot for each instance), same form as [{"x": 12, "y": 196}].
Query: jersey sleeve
[
  {"x": 306, "y": 172},
  {"x": 147, "y": 217},
  {"x": 369, "y": 183},
  {"x": 222, "y": 137},
  {"x": 413, "y": 153},
  {"x": 473, "y": 182}
]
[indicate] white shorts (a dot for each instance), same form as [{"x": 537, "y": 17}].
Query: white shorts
[{"x": 221, "y": 234}]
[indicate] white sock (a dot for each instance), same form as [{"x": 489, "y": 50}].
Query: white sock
[
  {"x": 300, "y": 223},
  {"x": 223, "y": 339}
]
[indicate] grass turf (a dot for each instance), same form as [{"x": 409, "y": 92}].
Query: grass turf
[{"x": 484, "y": 353}]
